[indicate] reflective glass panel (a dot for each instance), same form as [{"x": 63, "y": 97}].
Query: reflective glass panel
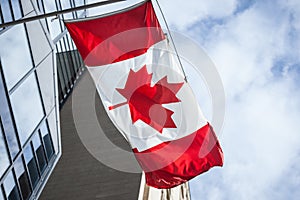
[
  {"x": 75, "y": 61},
  {"x": 1, "y": 195},
  {"x": 31, "y": 165},
  {"x": 16, "y": 9},
  {"x": 40, "y": 5},
  {"x": 61, "y": 78},
  {"x": 10, "y": 187},
  {"x": 53, "y": 128},
  {"x": 39, "y": 152},
  {"x": 54, "y": 29},
  {"x": 50, "y": 6},
  {"x": 44, "y": 128},
  {"x": 27, "y": 107},
  {"x": 69, "y": 40},
  {"x": 4, "y": 160},
  {"x": 45, "y": 79},
  {"x": 7, "y": 123},
  {"x": 10, "y": 133},
  {"x": 63, "y": 62},
  {"x": 79, "y": 3},
  {"x": 14, "y": 53},
  {"x": 38, "y": 41},
  {"x": 68, "y": 65},
  {"x": 66, "y": 5},
  {"x": 5, "y": 8},
  {"x": 48, "y": 146},
  {"x": 22, "y": 178},
  {"x": 62, "y": 45},
  {"x": 47, "y": 140}
]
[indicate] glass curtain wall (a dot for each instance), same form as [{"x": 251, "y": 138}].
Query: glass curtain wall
[
  {"x": 69, "y": 63},
  {"x": 27, "y": 149}
]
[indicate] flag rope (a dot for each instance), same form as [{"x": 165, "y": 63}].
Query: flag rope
[{"x": 168, "y": 29}]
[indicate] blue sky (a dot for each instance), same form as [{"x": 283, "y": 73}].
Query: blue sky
[{"x": 255, "y": 47}]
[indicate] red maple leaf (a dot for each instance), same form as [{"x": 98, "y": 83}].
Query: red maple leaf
[{"x": 145, "y": 102}]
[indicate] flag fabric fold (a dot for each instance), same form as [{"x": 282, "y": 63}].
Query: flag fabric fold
[
  {"x": 96, "y": 31},
  {"x": 144, "y": 92}
]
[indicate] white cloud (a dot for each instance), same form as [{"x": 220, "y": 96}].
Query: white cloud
[
  {"x": 182, "y": 14},
  {"x": 246, "y": 46},
  {"x": 261, "y": 140}
]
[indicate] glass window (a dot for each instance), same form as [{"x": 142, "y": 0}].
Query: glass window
[
  {"x": 65, "y": 61},
  {"x": 4, "y": 160},
  {"x": 50, "y": 6},
  {"x": 79, "y": 3},
  {"x": 13, "y": 43},
  {"x": 69, "y": 40},
  {"x": 53, "y": 128},
  {"x": 73, "y": 5},
  {"x": 44, "y": 128},
  {"x": 22, "y": 178},
  {"x": 61, "y": 59},
  {"x": 10, "y": 133},
  {"x": 80, "y": 61},
  {"x": 54, "y": 27},
  {"x": 63, "y": 47},
  {"x": 7, "y": 123},
  {"x": 71, "y": 61},
  {"x": 39, "y": 152},
  {"x": 39, "y": 43},
  {"x": 60, "y": 90},
  {"x": 1, "y": 195},
  {"x": 31, "y": 165},
  {"x": 69, "y": 65},
  {"x": 40, "y": 5},
  {"x": 75, "y": 61},
  {"x": 66, "y": 5},
  {"x": 61, "y": 76},
  {"x": 27, "y": 107},
  {"x": 16, "y": 9},
  {"x": 47, "y": 140},
  {"x": 6, "y": 12},
  {"x": 46, "y": 80},
  {"x": 10, "y": 187}
]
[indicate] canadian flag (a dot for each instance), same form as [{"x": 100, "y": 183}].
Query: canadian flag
[{"x": 145, "y": 94}]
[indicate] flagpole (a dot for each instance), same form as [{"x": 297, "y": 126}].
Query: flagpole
[
  {"x": 59, "y": 12},
  {"x": 179, "y": 60}
]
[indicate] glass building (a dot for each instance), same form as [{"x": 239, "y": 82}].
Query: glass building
[{"x": 38, "y": 68}]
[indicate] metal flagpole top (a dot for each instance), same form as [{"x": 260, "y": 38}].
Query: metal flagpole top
[{"x": 52, "y": 14}]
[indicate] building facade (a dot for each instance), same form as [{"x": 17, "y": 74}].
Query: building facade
[
  {"x": 181, "y": 192},
  {"x": 38, "y": 68}
]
